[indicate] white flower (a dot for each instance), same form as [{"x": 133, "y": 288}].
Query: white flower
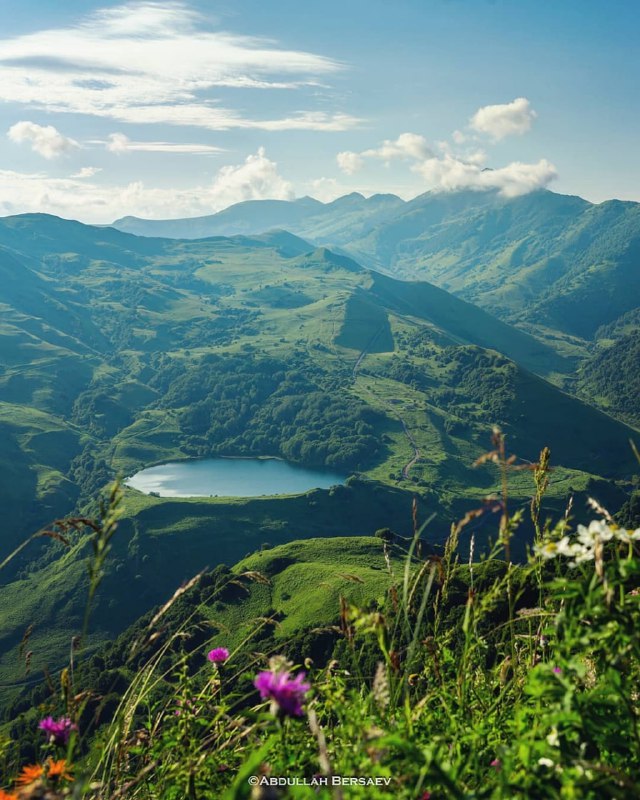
[
  {"x": 582, "y": 554},
  {"x": 598, "y": 531},
  {"x": 627, "y": 536},
  {"x": 551, "y": 549},
  {"x": 545, "y": 762},
  {"x": 552, "y": 738}
]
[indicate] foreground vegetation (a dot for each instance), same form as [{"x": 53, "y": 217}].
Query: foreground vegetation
[{"x": 441, "y": 676}]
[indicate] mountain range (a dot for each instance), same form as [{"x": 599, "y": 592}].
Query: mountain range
[{"x": 558, "y": 266}]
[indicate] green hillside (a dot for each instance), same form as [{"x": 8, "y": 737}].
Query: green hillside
[
  {"x": 124, "y": 352},
  {"x": 555, "y": 266},
  {"x": 611, "y": 377}
]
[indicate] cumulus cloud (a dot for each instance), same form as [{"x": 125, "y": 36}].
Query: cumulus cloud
[
  {"x": 459, "y": 137},
  {"x": 173, "y": 62},
  {"x": 87, "y": 172},
  {"x": 119, "y": 143},
  {"x": 79, "y": 197},
  {"x": 327, "y": 189},
  {"x": 256, "y": 179},
  {"x": 349, "y": 162},
  {"x": 450, "y": 174},
  {"x": 504, "y": 119},
  {"x": 406, "y": 146},
  {"x": 45, "y": 140},
  {"x": 460, "y": 163}
]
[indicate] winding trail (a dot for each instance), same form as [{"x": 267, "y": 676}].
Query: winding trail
[{"x": 416, "y": 452}]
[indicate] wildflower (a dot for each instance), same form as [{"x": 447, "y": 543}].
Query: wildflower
[
  {"x": 57, "y": 732},
  {"x": 582, "y": 553},
  {"x": 425, "y": 796},
  {"x": 30, "y": 774},
  {"x": 627, "y": 536},
  {"x": 218, "y": 655},
  {"x": 545, "y": 762},
  {"x": 496, "y": 764},
  {"x": 557, "y": 670},
  {"x": 598, "y": 531},
  {"x": 286, "y": 693},
  {"x": 552, "y": 738},
  {"x": 7, "y": 795},
  {"x": 58, "y": 770},
  {"x": 186, "y": 705},
  {"x": 551, "y": 549}
]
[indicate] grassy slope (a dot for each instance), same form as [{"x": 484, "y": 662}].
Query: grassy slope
[
  {"x": 160, "y": 302},
  {"x": 318, "y": 570},
  {"x": 544, "y": 259}
]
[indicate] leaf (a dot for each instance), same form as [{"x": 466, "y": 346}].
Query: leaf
[{"x": 348, "y": 576}]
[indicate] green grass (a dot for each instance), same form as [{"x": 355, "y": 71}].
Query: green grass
[
  {"x": 318, "y": 570},
  {"x": 116, "y": 325}
]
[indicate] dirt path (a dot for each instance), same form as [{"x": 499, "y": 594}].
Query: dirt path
[
  {"x": 416, "y": 452},
  {"x": 363, "y": 354}
]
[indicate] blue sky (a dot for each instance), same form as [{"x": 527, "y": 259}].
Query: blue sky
[{"x": 175, "y": 109}]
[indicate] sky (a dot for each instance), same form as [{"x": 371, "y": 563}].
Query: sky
[{"x": 175, "y": 109}]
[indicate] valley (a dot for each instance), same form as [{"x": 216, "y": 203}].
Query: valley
[{"x": 120, "y": 352}]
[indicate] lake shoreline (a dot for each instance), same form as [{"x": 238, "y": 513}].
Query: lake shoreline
[{"x": 230, "y": 477}]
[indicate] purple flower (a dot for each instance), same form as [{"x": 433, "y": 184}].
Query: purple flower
[
  {"x": 218, "y": 655},
  {"x": 496, "y": 764},
  {"x": 57, "y": 732},
  {"x": 557, "y": 670},
  {"x": 286, "y": 693}
]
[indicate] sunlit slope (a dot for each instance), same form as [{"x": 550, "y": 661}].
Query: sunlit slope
[
  {"x": 162, "y": 542},
  {"x": 545, "y": 259}
]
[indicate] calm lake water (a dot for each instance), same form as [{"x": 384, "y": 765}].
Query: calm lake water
[{"x": 231, "y": 477}]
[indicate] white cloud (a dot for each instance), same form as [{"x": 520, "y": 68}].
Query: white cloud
[
  {"x": 407, "y": 145},
  {"x": 45, "y": 140},
  {"x": 119, "y": 143},
  {"x": 410, "y": 146},
  {"x": 505, "y": 119},
  {"x": 460, "y": 163},
  {"x": 81, "y": 198},
  {"x": 349, "y": 162},
  {"x": 156, "y": 62},
  {"x": 87, "y": 172},
  {"x": 327, "y": 189},
  {"x": 256, "y": 179},
  {"x": 451, "y": 174}
]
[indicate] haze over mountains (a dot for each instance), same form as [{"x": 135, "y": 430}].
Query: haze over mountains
[
  {"x": 546, "y": 258},
  {"x": 553, "y": 264}
]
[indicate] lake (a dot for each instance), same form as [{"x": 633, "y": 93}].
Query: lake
[{"x": 231, "y": 477}]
